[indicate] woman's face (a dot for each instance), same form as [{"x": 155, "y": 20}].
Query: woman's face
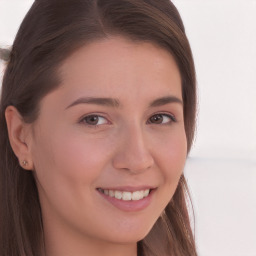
[{"x": 109, "y": 135}]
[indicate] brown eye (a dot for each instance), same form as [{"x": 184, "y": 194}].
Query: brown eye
[
  {"x": 161, "y": 119},
  {"x": 156, "y": 119},
  {"x": 94, "y": 120}
]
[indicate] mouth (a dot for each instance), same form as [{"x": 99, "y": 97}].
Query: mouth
[
  {"x": 128, "y": 199},
  {"x": 126, "y": 195}
]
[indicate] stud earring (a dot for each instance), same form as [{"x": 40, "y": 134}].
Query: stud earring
[{"x": 24, "y": 162}]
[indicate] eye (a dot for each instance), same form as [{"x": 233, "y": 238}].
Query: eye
[
  {"x": 94, "y": 120},
  {"x": 161, "y": 119}
]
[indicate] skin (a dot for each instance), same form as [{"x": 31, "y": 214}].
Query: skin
[{"x": 71, "y": 158}]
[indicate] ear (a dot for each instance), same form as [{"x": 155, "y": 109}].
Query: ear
[{"x": 19, "y": 132}]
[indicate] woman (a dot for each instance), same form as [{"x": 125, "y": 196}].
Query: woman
[{"x": 97, "y": 118}]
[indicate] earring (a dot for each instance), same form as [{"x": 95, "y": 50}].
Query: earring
[{"x": 24, "y": 162}]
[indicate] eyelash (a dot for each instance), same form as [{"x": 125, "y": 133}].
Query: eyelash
[{"x": 171, "y": 117}]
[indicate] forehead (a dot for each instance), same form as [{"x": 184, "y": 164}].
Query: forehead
[{"x": 117, "y": 66}]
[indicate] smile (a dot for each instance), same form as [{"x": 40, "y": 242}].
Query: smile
[{"x": 126, "y": 195}]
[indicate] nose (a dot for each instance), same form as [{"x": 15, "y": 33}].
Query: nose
[{"x": 133, "y": 153}]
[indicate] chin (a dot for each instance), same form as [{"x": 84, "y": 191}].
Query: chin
[{"x": 132, "y": 234}]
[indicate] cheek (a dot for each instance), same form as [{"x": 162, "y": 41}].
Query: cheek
[
  {"x": 173, "y": 151},
  {"x": 172, "y": 154},
  {"x": 67, "y": 170},
  {"x": 178, "y": 152},
  {"x": 70, "y": 159},
  {"x": 75, "y": 157}
]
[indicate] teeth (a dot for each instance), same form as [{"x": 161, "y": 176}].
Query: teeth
[
  {"x": 146, "y": 192},
  {"x": 111, "y": 193},
  {"x": 137, "y": 195},
  {"x": 126, "y": 195},
  {"x": 118, "y": 194}
]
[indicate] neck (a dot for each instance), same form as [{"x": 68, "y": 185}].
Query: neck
[
  {"x": 63, "y": 242},
  {"x": 99, "y": 249}
]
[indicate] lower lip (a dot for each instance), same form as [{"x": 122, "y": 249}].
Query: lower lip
[{"x": 131, "y": 205}]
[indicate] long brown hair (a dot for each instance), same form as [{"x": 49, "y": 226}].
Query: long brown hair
[{"x": 50, "y": 32}]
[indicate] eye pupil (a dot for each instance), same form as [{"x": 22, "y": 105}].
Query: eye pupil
[
  {"x": 92, "y": 120},
  {"x": 157, "y": 119}
]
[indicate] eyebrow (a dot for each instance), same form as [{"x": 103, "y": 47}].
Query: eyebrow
[
  {"x": 115, "y": 103},
  {"x": 165, "y": 100},
  {"x": 110, "y": 102}
]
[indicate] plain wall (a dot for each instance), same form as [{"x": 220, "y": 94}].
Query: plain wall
[{"x": 221, "y": 170}]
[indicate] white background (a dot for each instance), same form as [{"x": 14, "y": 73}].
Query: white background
[{"x": 221, "y": 169}]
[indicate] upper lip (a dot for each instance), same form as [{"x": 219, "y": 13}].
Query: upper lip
[{"x": 128, "y": 188}]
